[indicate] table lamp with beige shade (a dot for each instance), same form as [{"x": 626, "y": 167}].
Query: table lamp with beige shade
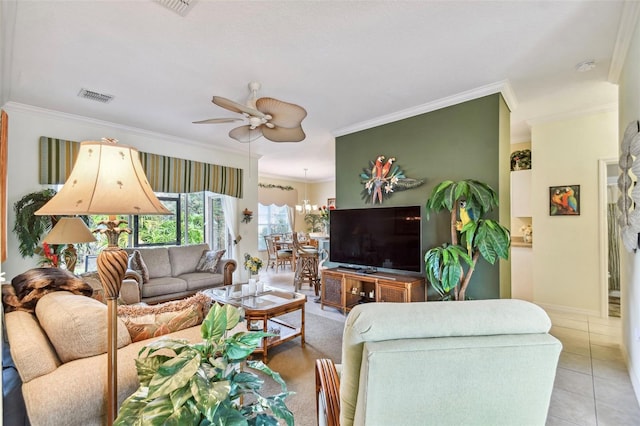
[
  {"x": 107, "y": 179},
  {"x": 69, "y": 231}
]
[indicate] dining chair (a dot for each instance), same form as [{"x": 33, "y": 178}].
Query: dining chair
[
  {"x": 306, "y": 266},
  {"x": 279, "y": 258}
]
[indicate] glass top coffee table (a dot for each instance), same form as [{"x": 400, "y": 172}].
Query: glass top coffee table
[{"x": 261, "y": 312}]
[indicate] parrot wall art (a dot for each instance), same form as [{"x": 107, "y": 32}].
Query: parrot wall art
[
  {"x": 382, "y": 178},
  {"x": 564, "y": 200}
]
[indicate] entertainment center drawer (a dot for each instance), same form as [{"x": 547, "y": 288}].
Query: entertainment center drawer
[
  {"x": 331, "y": 290},
  {"x": 344, "y": 289},
  {"x": 391, "y": 293}
]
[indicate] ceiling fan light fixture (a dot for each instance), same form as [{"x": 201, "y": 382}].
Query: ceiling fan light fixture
[
  {"x": 276, "y": 120},
  {"x": 245, "y": 134}
]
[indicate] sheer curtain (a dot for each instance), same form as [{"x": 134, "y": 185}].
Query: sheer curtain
[
  {"x": 230, "y": 210},
  {"x": 291, "y": 217}
]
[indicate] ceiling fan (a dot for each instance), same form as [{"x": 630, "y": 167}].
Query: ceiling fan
[{"x": 276, "y": 120}]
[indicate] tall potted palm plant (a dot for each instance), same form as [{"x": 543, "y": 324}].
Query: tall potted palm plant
[{"x": 449, "y": 267}]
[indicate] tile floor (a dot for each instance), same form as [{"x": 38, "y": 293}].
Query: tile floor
[{"x": 592, "y": 384}]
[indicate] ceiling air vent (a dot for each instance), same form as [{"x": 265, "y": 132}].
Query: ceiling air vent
[
  {"x": 95, "y": 96},
  {"x": 181, "y": 7}
]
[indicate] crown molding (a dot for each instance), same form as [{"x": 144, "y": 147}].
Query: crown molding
[
  {"x": 48, "y": 113},
  {"x": 503, "y": 87},
  {"x": 628, "y": 23},
  {"x": 610, "y": 107}
]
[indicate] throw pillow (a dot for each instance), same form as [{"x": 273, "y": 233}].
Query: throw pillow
[
  {"x": 76, "y": 325},
  {"x": 137, "y": 264},
  {"x": 32, "y": 285},
  {"x": 93, "y": 279},
  {"x": 144, "y": 322},
  {"x": 209, "y": 260}
]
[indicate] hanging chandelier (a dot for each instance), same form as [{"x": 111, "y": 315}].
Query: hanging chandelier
[{"x": 306, "y": 206}]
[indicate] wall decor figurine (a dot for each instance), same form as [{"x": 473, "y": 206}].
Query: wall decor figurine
[
  {"x": 382, "y": 178},
  {"x": 247, "y": 215},
  {"x": 629, "y": 217},
  {"x": 564, "y": 200},
  {"x": 521, "y": 160}
]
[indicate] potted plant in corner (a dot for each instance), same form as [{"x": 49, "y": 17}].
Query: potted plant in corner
[
  {"x": 205, "y": 383},
  {"x": 450, "y": 266}
]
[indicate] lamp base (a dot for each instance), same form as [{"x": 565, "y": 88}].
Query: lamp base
[
  {"x": 70, "y": 256},
  {"x": 112, "y": 265}
]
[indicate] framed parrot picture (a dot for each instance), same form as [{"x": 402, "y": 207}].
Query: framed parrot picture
[{"x": 564, "y": 200}]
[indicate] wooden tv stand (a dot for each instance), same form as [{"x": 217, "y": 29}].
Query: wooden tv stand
[{"x": 344, "y": 288}]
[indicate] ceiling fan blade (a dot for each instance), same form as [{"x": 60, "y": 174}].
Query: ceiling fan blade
[
  {"x": 217, "y": 120},
  {"x": 236, "y": 107},
  {"x": 245, "y": 134},
  {"x": 282, "y": 134},
  {"x": 284, "y": 114}
]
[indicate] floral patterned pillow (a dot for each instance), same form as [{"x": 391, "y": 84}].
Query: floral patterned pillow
[
  {"x": 209, "y": 260},
  {"x": 145, "y": 322}
]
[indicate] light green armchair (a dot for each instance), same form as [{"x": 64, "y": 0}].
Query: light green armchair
[{"x": 485, "y": 362}]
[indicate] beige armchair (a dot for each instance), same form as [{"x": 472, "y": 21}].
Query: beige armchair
[{"x": 485, "y": 362}]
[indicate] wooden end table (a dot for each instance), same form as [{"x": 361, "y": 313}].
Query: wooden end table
[{"x": 261, "y": 312}]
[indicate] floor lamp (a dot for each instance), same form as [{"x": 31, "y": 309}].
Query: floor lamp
[
  {"x": 107, "y": 179},
  {"x": 69, "y": 231}
]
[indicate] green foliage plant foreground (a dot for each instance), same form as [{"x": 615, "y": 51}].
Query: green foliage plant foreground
[
  {"x": 450, "y": 266},
  {"x": 205, "y": 383}
]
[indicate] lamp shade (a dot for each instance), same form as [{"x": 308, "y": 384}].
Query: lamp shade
[
  {"x": 108, "y": 179},
  {"x": 69, "y": 230}
]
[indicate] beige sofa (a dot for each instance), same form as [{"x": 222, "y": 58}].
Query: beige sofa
[
  {"x": 59, "y": 352},
  {"x": 482, "y": 362},
  {"x": 173, "y": 275}
]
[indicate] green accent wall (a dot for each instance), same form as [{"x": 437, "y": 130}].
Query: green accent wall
[{"x": 458, "y": 142}]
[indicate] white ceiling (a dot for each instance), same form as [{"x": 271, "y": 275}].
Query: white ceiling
[{"x": 349, "y": 63}]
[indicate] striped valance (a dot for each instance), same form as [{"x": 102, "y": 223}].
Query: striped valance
[{"x": 165, "y": 174}]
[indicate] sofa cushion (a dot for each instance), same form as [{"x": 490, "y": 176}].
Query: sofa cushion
[
  {"x": 30, "y": 349},
  {"x": 202, "y": 280},
  {"x": 76, "y": 325},
  {"x": 137, "y": 264},
  {"x": 209, "y": 261},
  {"x": 184, "y": 259},
  {"x": 156, "y": 259},
  {"x": 129, "y": 292},
  {"x": 144, "y": 322},
  {"x": 163, "y": 286}
]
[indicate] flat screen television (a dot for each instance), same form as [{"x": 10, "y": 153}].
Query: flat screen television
[{"x": 382, "y": 237}]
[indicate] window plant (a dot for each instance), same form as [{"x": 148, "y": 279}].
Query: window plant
[
  {"x": 205, "y": 383},
  {"x": 449, "y": 267}
]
